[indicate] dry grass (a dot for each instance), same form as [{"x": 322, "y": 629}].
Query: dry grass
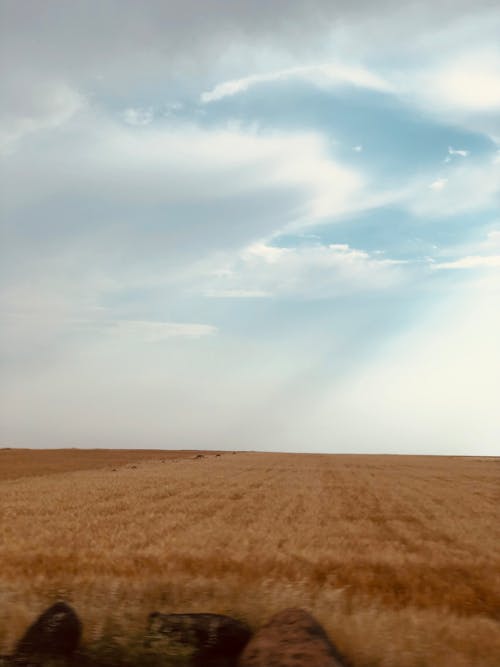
[
  {"x": 15, "y": 463},
  {"x": 399, "y": 557}
]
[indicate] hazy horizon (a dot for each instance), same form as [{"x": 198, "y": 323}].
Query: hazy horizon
[{"x": 257, "y": 226}]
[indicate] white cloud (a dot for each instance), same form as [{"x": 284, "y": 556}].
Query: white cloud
[
  {"x": 270, "y": 254},
  {"x": 172, "y": 108},
  {"x": 459, "y": 84},
  {"x": 307, "y": 272},
  {"x": 468, "y": 185},
  {"x": 471, "y": 262},
  {"x": 358, "y": 148},
  {"x": 469, "y": 82},
  {"x": 153, "y": 332},
  {"x": 461, "y": 152},
  {"x": 333, "y": 186},
  {"x": 325, "y": 75},
  {"x": 138, "y": 117},
  {"x": 439, "y": 184},
  {"x": 469, "y": 257},
  {"x": 493, "y": 239},
  {"x": 106, "y": 211},
  {"x": 185, "y": 166}
]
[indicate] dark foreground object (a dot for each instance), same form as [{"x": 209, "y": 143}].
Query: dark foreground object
[
  {"x": 292, "y": 638},
  {"x": 55, "y": 635},
  {"x": 215, "y": 639}
]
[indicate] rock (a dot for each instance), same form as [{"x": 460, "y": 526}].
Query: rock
[
  {"x": 292, "y": 638},
  {"x": 54, "y": 635},
  {"x": 199, "y": 456},
  {"x": 212, "y": 638}
]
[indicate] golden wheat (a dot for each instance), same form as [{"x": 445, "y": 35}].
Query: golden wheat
[
  {"x": 15, "y": 463},
  {"x": 398, "y": 557}
]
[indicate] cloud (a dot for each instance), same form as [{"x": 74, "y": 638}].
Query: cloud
[
  {"x": 107, "y": 211},
  {"x": 307, "y": 272},
  {"x": 493, "y": 239},
  {"x": 467, "y": 185},
  {"x": 325, "y": 75},
  {"x": 50, "y": 313},
  {"x": 138, "y": 117},
  {"x": 154, "y": 332},
  {"x": 46, "y": 106},
  {"x": 439, "y": 184},
  {"x": 472, "y": 262},
  {"x": 126, "y": 36},
  {"x": 457, "y": 80},
  {"x": 134, "y": 187},
  {"x": 469, "y": 257},
  {"x": 461, "y": 152},
  {"x": 469, "y": 83},
  {"x": 184, "y": 48}
]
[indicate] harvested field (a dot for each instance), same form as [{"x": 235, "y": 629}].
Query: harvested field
[
  {"x": 15, "y": 463},
  {"x": 398, "y": 557}
]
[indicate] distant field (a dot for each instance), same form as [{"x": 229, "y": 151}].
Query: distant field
[
  {"x": 398, "y": 557},
  {"x": 15, "y": 463}
]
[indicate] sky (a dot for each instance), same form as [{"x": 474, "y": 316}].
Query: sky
[{"x": 250, "y": 225}]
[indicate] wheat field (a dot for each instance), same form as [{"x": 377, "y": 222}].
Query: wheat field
[{"x": 397, "y": 556}]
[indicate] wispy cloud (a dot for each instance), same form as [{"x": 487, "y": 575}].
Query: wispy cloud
[
  {"x": 465, "y": 185},
  {"x": 304, "y": 272},
  {"x": 328, "y": 74},
  {"x": 461, "y": 152},
  {"x": 472, "y": 262},
  {"x": 469, "y": 82},
  {"x": 249, "y": 184},
  {"x": 138, "y": 117},
  {"x": 154, "y": 332},
  {"x": 459, "y": 84},
  {"x": 439, "y": 184},
  {"x": 474, "y": 255}
]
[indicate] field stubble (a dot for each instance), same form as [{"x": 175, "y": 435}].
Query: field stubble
[{"x": 398, "y": 557}]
